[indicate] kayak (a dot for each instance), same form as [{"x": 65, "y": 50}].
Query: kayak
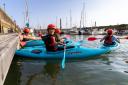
[
  {"x": 34, "y": 43},
  {"x": 110, "y": 47},
  {"x": 41, "y": 43},
  {"x": 73, "y": 51}
]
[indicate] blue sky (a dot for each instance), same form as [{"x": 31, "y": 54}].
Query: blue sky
[{"x": 43, "y": 12}]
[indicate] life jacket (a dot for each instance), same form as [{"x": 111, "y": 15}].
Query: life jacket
[
  {"x": 109, "y": 40},
  {"x": 50, "y": 46},
  {"x": 25, "y": 39}
]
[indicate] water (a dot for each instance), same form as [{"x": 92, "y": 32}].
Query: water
[{"x": 107, "y": 69}]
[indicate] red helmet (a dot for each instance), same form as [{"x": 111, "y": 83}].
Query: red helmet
[
  {"x": 26, "y": 30},
  {"x": 57, "y": 31},
  {"x": 51, "y": 26},
  {"x": 109, "y": 31}
]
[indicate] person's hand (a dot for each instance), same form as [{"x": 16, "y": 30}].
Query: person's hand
[
  {"x": 20, "y": 37},
  {"x": 62, "y": 40},
  {"x": 64, "y": 44},
  {"x": 38, "y": 38},
  {"x": 61, "y": 43}
]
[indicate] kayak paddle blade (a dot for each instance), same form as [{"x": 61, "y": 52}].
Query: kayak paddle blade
[{"x": 92, "y": 38}]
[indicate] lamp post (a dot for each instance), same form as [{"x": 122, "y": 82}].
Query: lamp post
[{"x": 60, "y": 24}]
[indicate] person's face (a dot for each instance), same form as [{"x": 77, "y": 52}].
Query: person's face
[
  {"x": 26, "y": 33},
  {"x": 51, "y": 31}
]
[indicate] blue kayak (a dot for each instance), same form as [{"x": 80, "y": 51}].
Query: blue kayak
[
  {"x": 41, "y": 43},
  {"x": 71, "y": 52},
  {"x": 34, "y": 43}
]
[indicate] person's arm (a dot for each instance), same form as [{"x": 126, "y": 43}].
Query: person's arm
[
  {"x": 20, "y": 36},
  {"x": 32, "y": 38},
  {"x": 117, "y": 40},
  {"x": 29, "y": 37},
  {"x": 38, "y": 38},
  {"x": 59, "y": 40},
  {"x": 103, "y": 39}
]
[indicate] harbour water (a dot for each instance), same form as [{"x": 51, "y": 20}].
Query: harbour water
[{"x": 107, "y": 69}]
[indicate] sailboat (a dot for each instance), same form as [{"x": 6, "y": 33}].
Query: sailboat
[
  {"x": 73, "y": 30},
  {"x": 83, "y": 30}
]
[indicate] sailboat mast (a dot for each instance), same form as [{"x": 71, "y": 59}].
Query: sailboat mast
[
  {"x": 70, "y": 19},
  {"x": 66, "y": 23},
  {"x": 56, "y": 21},
  {"x": 83, "y": 13},
  {"x": 60, "y": 24},
  {"x": 26, "y": 14},
  {"x": 82, "y": 19}
]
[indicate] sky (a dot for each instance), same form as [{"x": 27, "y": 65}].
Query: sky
[{"x": 44, "y": 12}]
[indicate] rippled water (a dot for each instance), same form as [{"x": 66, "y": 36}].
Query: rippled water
[{"x": 107, "y": 69}]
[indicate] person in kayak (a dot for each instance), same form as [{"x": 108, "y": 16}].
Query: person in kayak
[
  {"x": 25, "y": 36},
  {"x": 50, "y": 39},
  {"x": 109, "y": 39},
  {"x": 39, "y": 34},
  {"x": 57, "y": 35}
]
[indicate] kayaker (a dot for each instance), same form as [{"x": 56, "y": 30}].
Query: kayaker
[
  {"x": 50, "y": 39},
  {"x": 109, "y": 39},
  {"x": 40, "y": 34},
  {"x": 58, "y": 37},
  {"x": 25, "y": 36}
]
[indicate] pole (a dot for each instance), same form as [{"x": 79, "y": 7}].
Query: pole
[
  {"x": 56, "y": 22},
  {"x": 60, "y": 24},
  {"x": 26, "y": 12},
  {"x": 70, "y": 19}
]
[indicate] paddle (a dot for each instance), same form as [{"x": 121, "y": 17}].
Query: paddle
[
  {"x": 63, "y": 60},
  {"x": 94, "y": 38}
]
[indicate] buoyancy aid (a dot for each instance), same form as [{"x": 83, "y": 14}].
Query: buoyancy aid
[
  {"x": 109, "y": 39},
  {"x": 50, "y": 44},
  {"x": 25, "y": 39}
]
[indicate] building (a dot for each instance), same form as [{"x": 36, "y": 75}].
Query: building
[{"x": 7, "y": 25}]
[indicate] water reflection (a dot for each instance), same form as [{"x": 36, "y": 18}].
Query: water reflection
[
  {"x": 52, "y": 69},
  {"x": 41, "y": 71}
]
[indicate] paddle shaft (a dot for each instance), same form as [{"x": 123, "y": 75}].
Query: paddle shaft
[{"x": 63, "y": 60}]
